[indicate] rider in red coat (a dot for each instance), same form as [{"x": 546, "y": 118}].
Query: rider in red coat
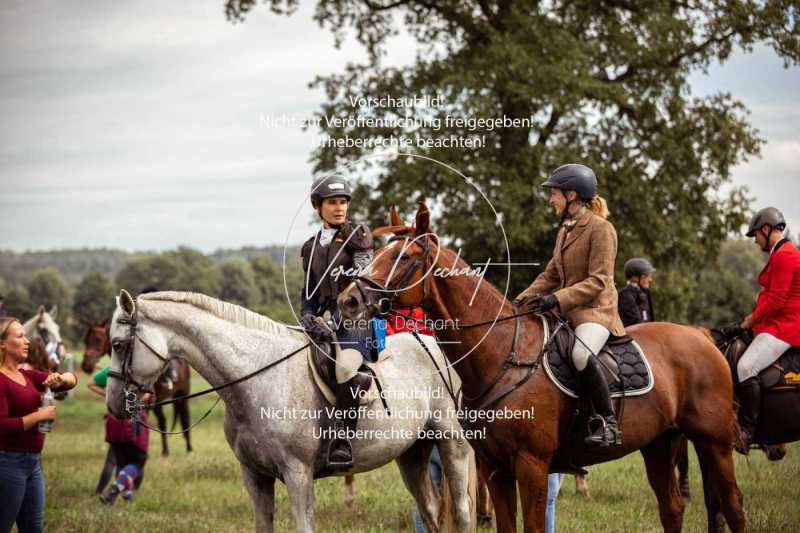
[{"x": 776, "y": 318}]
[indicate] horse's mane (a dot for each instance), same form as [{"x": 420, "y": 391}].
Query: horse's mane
[{"x": 226, "y": 311}]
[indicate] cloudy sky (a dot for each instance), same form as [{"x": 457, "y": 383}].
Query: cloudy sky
[{"x": 138, "y": 124}]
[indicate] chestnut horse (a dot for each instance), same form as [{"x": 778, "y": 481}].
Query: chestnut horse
[
  {"x": 97, "y": 345},
  {"x": 693, "y": 392}
]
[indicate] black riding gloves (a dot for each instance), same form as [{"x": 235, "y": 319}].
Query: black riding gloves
[{"x": 537, "y": 303}]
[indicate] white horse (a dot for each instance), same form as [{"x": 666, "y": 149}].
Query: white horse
[
  {"x": 47, "y": 350},
  {"x": 273, "y": 420}
]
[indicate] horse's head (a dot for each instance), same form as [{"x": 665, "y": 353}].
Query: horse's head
[
  {"x": 398, "y": 275},
  {"x": 139, "y": 355},
  {"x": 96, "y": 343},
  {"x": 42, "y": 326}
]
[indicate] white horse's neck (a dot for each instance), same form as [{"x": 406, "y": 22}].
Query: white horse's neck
[{"x": 220, "y": 350}]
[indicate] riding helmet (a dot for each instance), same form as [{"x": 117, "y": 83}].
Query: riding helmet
[
  {"x": 770, "y": 216},
  {"x": 574, "y": 177},
  {"x": 638, "y": 266},
  {"x": 328, "y": 187}
]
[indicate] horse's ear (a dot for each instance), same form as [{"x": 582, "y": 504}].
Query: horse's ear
[
  {"x": 54, "y": 312},
  {"x": 422, "y": 225},
  {"x": 394, "y": 218},
  {"x": 126, "y": 302},
  {"x": 40, "y": 311}
]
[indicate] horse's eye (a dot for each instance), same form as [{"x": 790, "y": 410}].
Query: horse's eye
[
  {"x": 404, "y": 257},
  {"x": 117, "y": 345}
]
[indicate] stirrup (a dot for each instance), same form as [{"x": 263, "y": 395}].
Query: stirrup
[
  {"x": 335, "y": 445},
  {"x": 603, "y": 440}
]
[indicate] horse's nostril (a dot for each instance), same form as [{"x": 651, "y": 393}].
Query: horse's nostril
[{"x": 351, "y": 302}]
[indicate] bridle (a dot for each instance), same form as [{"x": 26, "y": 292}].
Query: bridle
[
  {"x": 126, "y": 347},
  {"x": 384, "y": 305}
]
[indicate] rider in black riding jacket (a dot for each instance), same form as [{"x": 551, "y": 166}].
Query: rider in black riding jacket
[{"x": 332, "y": 257}]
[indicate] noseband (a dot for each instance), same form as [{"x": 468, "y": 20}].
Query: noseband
[
  {"x": 126, "y": 347},
  {"x": 384, "y": 305}
]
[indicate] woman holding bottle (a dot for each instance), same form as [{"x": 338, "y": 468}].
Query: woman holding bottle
[{"x": 21, "y": 437}]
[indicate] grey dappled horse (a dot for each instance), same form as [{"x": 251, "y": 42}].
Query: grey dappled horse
[{"x": 223, "y": 342}]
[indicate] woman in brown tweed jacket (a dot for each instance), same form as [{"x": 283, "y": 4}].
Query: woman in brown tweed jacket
[{"x": 581, "y": 273}]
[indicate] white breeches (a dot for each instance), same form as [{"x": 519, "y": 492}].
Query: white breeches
[
  {"x": 762, "y": 352},
  {"x": 594, "y": 336}
]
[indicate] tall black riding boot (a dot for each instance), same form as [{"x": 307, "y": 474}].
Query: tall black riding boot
[
  {"x": 749, "y": 393},
  {"x": 605, "y": 432},
  {"x": 340, "y": 450}
]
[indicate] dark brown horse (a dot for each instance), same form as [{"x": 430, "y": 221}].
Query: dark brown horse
[
  {"x": 97, "y": 345},
  {"x": 692, "y": 395},
  {"x": 733, "y": 349}
]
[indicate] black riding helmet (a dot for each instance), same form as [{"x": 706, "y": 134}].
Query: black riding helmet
[
  {"x": 328, "y": 187},
  {"x": 638, "y": 266},
  {"x": 574, "y": 177},
  {"x": 770, "y": 216}
]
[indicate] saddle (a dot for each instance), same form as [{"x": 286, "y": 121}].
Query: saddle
[
  {"x": 782, "y": 374},
  {"x": 622, "y": 360},
  {"x": 323, "y": 369}
]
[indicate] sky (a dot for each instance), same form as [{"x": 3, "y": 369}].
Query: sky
[{"x": 140, "y": 125}]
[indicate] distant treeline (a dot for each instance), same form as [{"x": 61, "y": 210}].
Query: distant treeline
[{"x": 82, "y": 284}]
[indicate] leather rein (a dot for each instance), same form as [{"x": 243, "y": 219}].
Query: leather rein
[
  {"x": 132, "y": 403},
  {"x": 385, "y": 307}
]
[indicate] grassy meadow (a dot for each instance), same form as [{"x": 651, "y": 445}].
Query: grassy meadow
[{"x": 202, "y": 490}]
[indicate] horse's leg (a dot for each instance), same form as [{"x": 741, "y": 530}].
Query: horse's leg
[
  {"x": 503, "y": 490},
  {"x": 455, "y": 457},
  {"x": 716, "y": 520},
  {"x": 350, "y": 492},
  {"x": 531, "y": 472},
  {"x": 162, "y": 425},
  {"x": 182, "y": 407},
  {"x": 299, "y": 480},
  {"x": 262, "y": 494},
  {"x": 719, "y": 485},
  {"x": 682, "y": 460},
  {"x": 661, "y": 475},
  {"x": 581, "y": 485},
  {"x": 413, "y": 466}
]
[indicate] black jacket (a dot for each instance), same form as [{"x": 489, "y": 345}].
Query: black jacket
[
  {"x": 635, "y": 305},
  {"x": 327, "y": 270}
]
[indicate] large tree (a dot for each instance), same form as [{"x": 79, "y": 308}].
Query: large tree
[{"x": 604, "y": 82}]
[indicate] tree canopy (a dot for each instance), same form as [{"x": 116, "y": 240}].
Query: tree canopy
[{"x": 602, "y": 82}]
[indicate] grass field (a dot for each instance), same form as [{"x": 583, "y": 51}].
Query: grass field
[{"x": 202, "y": 491}]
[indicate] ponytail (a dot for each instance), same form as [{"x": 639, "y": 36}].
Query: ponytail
[{"x": 599, "y": 207}]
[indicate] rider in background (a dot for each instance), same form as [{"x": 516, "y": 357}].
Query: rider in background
[
  {"x": 331, "y": 259},
  {"x": 635, "y": 302},
  {"x": 128, "y": 440},
  {"x": 775, "y": 321},
  {"x": 582, "y": 274}
]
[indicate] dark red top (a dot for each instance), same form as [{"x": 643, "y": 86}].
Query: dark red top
[{"x": 17, "y": 401}]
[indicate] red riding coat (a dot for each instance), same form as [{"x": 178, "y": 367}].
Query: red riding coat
[
  {"x": 411, "y": 316},
  {"x": 777, "y": 309}
]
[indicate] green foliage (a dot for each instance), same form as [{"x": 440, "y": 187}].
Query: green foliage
[
  {"x": 94, "y": 298},
  {"x": 183, "y": 269},
  {"x": 18, "y": 304},
  {"x": 47, "y": 288},
  {"x": 604, "y": 83},
  {"x": 238, "y": 283}
]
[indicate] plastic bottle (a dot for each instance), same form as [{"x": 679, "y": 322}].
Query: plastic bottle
[{"x": 48, "y": 399}]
